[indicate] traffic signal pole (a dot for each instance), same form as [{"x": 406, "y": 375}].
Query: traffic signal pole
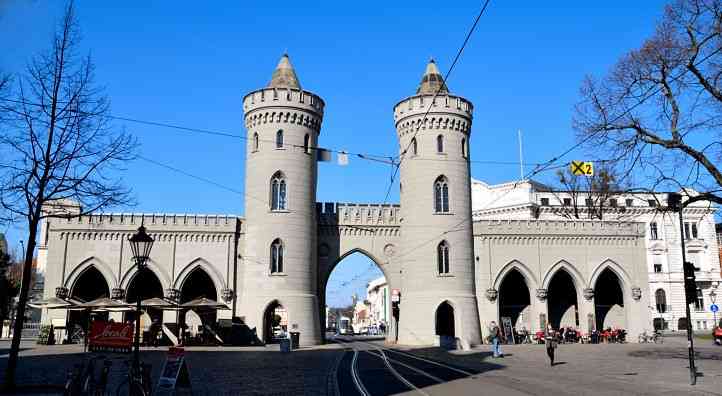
[{"x": 690, "y": 338}]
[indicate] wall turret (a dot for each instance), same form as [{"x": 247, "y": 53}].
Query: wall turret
[
  {"x": 283, "y": 123},
  {"x": 433, "y": 128}
]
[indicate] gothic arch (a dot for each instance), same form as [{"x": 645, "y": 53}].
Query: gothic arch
[
  {"x": 201, "y": 263},
  {"x": 151, "y": 265},
  {"x": 457, "y": 314},
  {"x": 529, "y": 277},
  {"x": 616, "y": 269},
  {"x": 576, "y": 276},
  {"x": 340, "y": 258},
  {"x": 91, "y": 261}
]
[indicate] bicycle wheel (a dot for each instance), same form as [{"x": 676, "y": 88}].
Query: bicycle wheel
[{"x": 135, "y": 389}]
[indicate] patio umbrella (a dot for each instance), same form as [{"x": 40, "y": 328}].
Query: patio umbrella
[
  {"x": 105, "y": 303},
  {"x": 52, "y": 303},
  {"x": 203, "y": 302},
  {"x": 159, "y": 303}
]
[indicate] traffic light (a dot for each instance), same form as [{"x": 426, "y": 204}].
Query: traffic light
[{"x": 690, "y": 284}]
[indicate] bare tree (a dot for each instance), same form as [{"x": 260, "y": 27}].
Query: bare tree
[
  {"x": 658, "y": 113},
  {"x": 59, "y": 146},
  {"x": 588, "y": 196}
]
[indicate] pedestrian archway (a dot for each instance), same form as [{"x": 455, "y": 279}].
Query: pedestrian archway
[
  {"x": 609, "y": 301},
  {"x": 196, "y": 285},
  {"x": 144, "y": 285},
  {"x": 562, "y": 300},
  {"x": 89, "y": 285},
  {"x": 275, "y": 322},
  {"x": 514, "y": 300},
  {"x": 445, "y": 324}
]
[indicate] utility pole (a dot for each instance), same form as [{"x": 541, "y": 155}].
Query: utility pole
[{"x": 674, "y": 201}]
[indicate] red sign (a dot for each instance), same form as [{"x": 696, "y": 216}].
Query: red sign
[{"x": 111, "y": 335}]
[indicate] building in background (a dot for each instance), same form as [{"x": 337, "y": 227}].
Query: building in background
[
  {"x": 532, "y": 201},
  {"x": 378, "y": 296},
  {"x": 361, "y": 317}
]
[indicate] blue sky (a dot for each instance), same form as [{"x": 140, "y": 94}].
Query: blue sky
[{"x": 189, "y": 63}]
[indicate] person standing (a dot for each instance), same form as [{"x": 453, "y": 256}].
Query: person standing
[
  {"x": 495, "y": 333},
  {"x": 551, "y": 343}
]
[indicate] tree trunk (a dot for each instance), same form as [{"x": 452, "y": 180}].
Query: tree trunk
[{"x": 20, "y": 312}]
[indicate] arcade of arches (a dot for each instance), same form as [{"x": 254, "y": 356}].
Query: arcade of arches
[{"x": 561, "y": 306}]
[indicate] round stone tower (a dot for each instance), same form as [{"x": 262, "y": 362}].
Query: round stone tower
[
  {"x": 438, "y": 292},
  {"x": 283, "y": 123}
]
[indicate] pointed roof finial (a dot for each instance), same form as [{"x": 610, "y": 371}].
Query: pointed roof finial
[
  {"x": 432, "y": 80},
  {"x": 284, "y": 76}
]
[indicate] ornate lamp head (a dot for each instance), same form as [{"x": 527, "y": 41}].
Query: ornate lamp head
[{"x": 141, "y": 243}]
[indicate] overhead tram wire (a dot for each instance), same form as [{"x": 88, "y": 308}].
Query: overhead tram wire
[
  {"x": 365, "y": 156},
  {"x": 433, "y": 99}
]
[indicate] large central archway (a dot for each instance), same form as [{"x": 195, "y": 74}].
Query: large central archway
[
  {"x": 562, "y": 300},
  {"x": 144, "y": 285},
  {"x": 198, "y": 284},
  {"x": 609, "y": 301},
  {"x": 355, "y": 295}
]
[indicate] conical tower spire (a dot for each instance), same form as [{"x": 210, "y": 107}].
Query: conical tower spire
[
  {"x": 284, "y": 76},
  {"x": 432, "y": 81}
]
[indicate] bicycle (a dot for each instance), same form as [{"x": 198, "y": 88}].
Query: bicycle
[
  {"x": 137, "y": 383},
  {"x": 81, "y": 379},
  {"x": 658, "y": 338}
]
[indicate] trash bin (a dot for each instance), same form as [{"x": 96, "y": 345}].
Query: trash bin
[
  {"x": 295, "y": 336},
  {"x": 285, "y": 345}
]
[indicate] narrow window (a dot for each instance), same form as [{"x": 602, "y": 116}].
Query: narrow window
[
  {"x": 653, "y": 231},
  {"x": 441, "y": 195},
  {"x": 255, "y": 141},
  {"x": 279, "y": 138},
  {"x": 699, "y": 301},
  {"x": 414, "y": 147},
  {"x": 613, "y": 202},
  {"x": 545, "y": 202},
  {"x": 628, "y": 202},
  {"x": 686, "y": 230},
  {"x": 276, "y": 256},
  {"x": 660, "y": 298},
  {"x": 440, "y": 144},
  {"x": 463, "y": 147},
  {"x": 278, "y": 191},
  {"x": 306, "y": 143},
  {"x": 694, "y": 230},
  {"x": 567, "y": 202},
  {"x": 443, "y": 257}
]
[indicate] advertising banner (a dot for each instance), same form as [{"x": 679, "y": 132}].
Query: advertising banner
[{"x": 111, "y": 336}]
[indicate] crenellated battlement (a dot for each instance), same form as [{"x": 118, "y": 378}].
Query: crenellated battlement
[
  {"x": 548, "y": 228},
  {"x": 283, "y": 97},
  {"x": 105, "y": 220},
  {"x": 331, "y": 213},
  {"x": 446, "y": 112}
]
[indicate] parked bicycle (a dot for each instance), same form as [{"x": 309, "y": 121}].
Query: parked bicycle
[
  {"x": 81, "y": 379},
  {"x": 656, "y": 338},
  {"x": 137, "y": 383}
]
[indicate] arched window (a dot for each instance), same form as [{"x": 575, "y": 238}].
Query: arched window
[
  {"x": 255, "y": 141},
  {"x": 278, "y": 191},
  {"x": 440, "y": 144},
  {"x": 279, "y": 138},
  {"x": 443, "y": 257},
  {"x": 463, "y": 147},
  {"x": 414, "y": 147},
  {"x": 441, "y": 195},
  {"x": 277, "y": 256},
  {"x": 660, "y": 298},
  {"x": 306, "y": 140}
]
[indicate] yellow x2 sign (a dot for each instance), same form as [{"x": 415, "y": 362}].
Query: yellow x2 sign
[{"x": 581, "y": 168}]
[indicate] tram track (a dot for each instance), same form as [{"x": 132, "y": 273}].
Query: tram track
[{"x": 376, "y": 370}]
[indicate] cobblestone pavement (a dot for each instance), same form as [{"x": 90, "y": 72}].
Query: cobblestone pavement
[
  {"x": 627, "y": 369},
  {"x": 213, "y": 371}
]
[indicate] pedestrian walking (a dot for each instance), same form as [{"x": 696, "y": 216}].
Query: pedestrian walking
[
  {"x": 495, "y": 333},
  {"x": 551, "y": 343}
]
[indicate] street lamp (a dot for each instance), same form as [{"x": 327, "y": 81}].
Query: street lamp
[{"x": 140, "y": 244}]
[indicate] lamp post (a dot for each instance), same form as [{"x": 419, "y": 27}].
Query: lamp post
[{"x": 140, "y": 244}]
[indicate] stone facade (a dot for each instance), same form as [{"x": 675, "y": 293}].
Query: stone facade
[{"x": 453, "y": 273}]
